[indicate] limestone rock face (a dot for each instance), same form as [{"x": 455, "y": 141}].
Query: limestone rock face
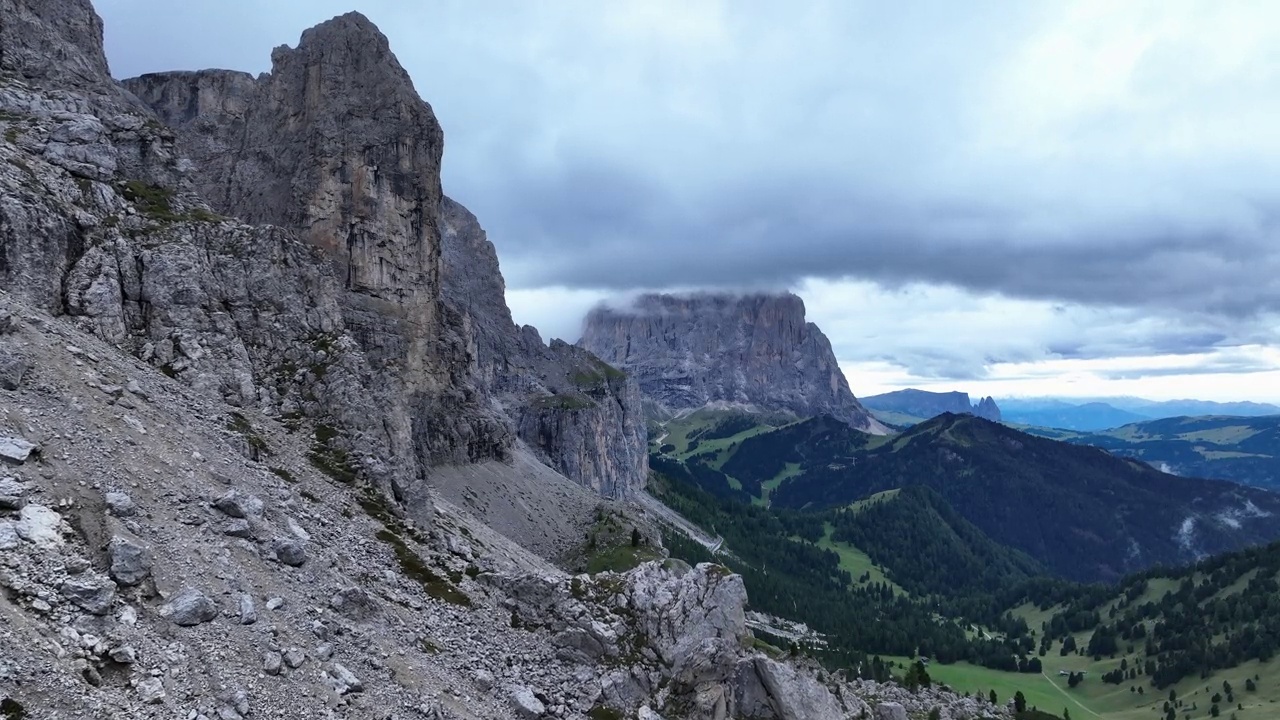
[
  {"x": 335, "y": 144},
  {"x": 582, "y": 416},
  {"x": 751, "y": 350}
]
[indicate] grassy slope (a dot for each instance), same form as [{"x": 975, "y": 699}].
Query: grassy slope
[
  {"x": 897, "y": 418},
  {"x": 681, "y": 431},
  {"x": 857, "y": 562},
  {"x": 1094, "y": 698}
]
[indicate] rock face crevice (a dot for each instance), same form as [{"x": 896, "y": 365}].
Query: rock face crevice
[
  {"x": 750, "y": 350},
  {"x": 581, "y": 415}
]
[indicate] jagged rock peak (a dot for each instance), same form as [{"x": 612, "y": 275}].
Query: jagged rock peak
[
  {"x": 757, "y": 350},
  {"x": 987, "y": 408},
  {"x": 335, "y": 144}
]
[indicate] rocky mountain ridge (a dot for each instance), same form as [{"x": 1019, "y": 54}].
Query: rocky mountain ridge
[
  {"x": 755, "y": 351},
  {"x": 925, "y": 404}
]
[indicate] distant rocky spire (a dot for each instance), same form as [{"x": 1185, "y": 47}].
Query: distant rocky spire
[{"x": 987, "y": 408}]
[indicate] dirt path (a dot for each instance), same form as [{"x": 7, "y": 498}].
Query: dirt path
[
  {"x": 1067, "y": 695},
  {"x": 653, "y": 505}
]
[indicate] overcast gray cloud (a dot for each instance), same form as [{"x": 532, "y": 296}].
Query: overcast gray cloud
[{"x": 1109, "y": 159}]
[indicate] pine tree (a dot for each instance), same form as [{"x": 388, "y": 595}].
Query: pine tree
[{"x": 1019, "y": 702}]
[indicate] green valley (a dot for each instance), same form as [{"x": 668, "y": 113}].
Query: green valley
[{"x": 974, "y": 544}]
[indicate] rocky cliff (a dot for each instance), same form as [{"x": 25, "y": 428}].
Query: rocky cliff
[
  {"x": 749, "y": 350},
  {"x": 580, "y": 414},
  {"x": 926, "y": 404},
  {"x": 335, "y": 144},
  {"x": 339, "y": 311},
  {"x": 333, "y": 317}
]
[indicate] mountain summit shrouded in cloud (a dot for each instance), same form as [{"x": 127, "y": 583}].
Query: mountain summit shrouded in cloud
[{"x": 1102, "y": 176}]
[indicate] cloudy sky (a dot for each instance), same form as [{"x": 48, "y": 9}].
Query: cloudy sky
[{"x": 1017, "y": 197}]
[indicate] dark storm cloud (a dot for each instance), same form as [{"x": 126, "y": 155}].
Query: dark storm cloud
[{"x": 606, "y": 228}]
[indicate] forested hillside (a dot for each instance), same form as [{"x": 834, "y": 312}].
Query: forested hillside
[
  {"x": 1172, "y": 624},
  {"x": 1080, "y": 512},
  {"x": 793, "y": 568},
  {"x": 937, "y": 542}
]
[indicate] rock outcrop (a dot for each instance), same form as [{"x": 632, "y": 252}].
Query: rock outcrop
[
  {"x": 581, "y": 415},
  {"x": 334, "y": 318},
  {"x": 987, "y": 409},
  {"x": 925, "y": 404},
  {"x": 750, "y": 350}
]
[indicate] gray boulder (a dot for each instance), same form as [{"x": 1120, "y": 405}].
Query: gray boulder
[
  {"x": 237, "y": 527},
  {"x": 189, "y": 607},
  {"x": 120, "y": 504},
  {"x": 239, "y": 505},
  {"x": 891, "y": 711},
  {"x": 769, "y": 689},
  {"x": 12, "y": 369},
  {"x": 151, "y": 691},
  {"x": 354, "y": 603},
  {"x": 16, "y": 450},
  {"x": 248, "y": 613},
  {"x": 342, "y": 680},
  {"x": 39, "y": 525},
  {"x": 290, "y": 551},
  {"x": 12, "y": 494},
  {"x": 130, "y": 560},
  {"x": 526, "y": 703},
  {"x": 92, "y": 593}
]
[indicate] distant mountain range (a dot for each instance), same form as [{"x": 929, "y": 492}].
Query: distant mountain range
[
  {"x": 1242, "y": 449},
  {"x": 910, "y": 406},
  {"x": 1088, "y": 414}
]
